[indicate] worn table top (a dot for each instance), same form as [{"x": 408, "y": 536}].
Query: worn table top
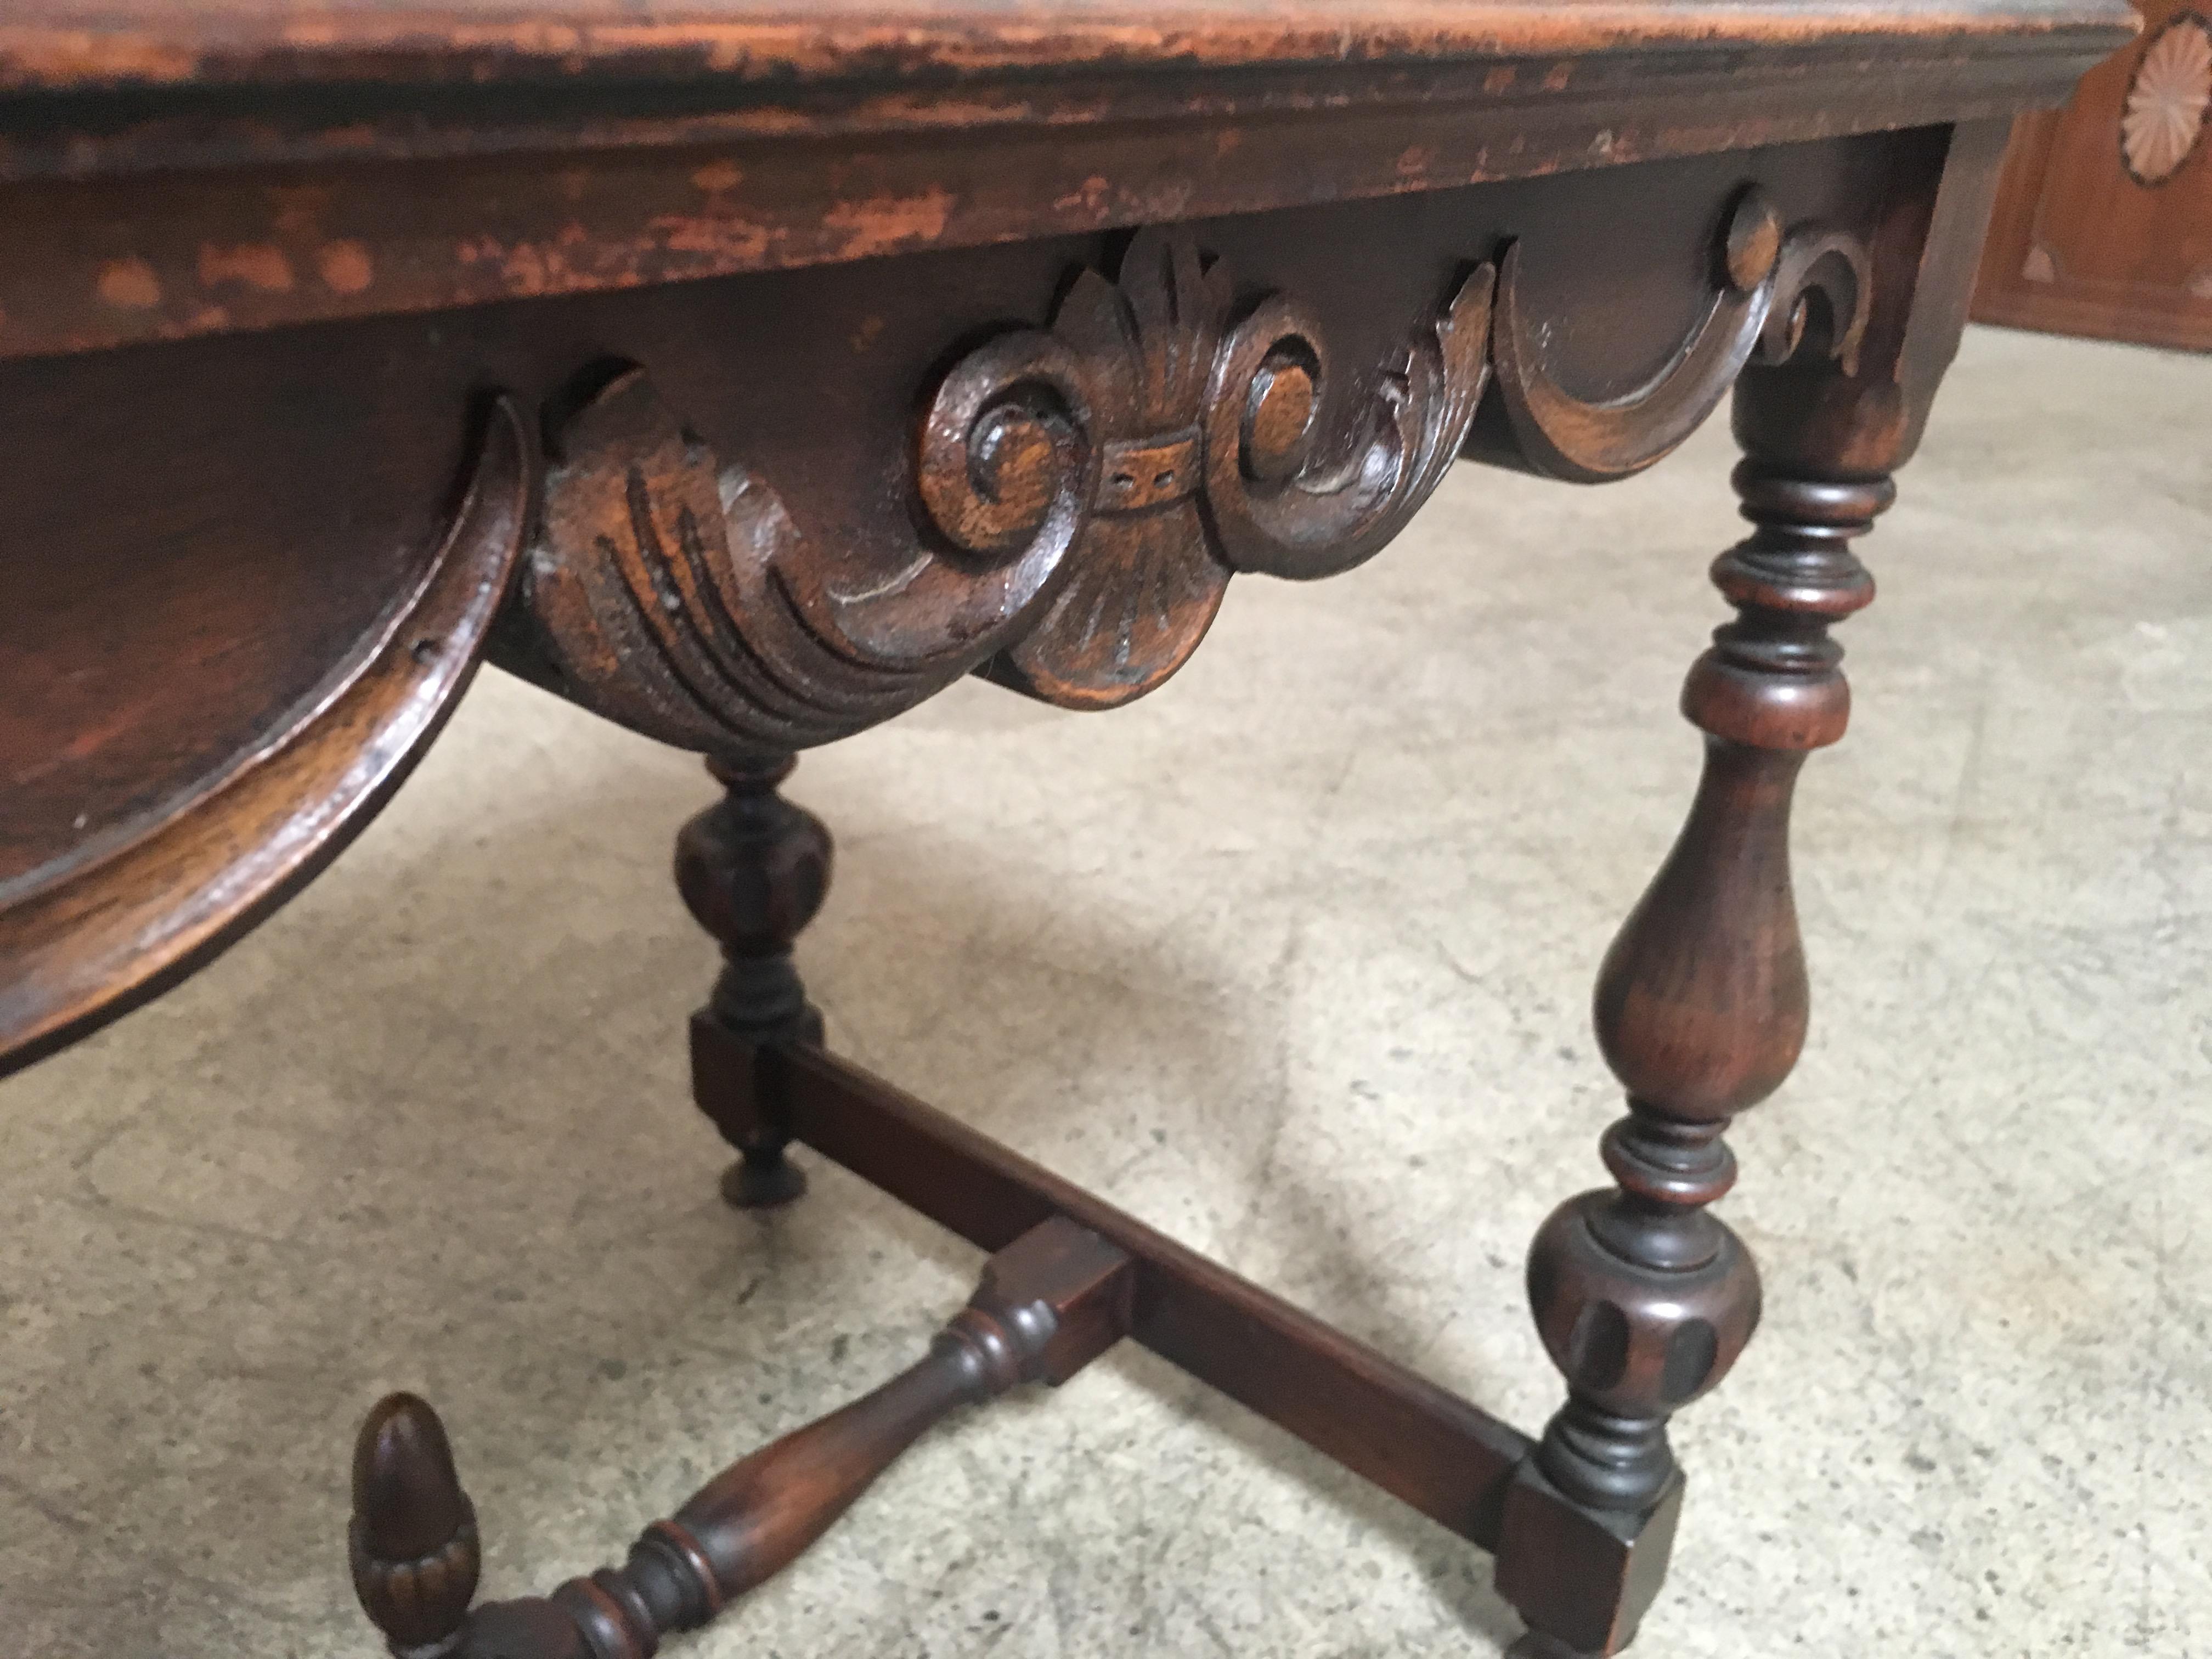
[
  {"x": 511, "y": 151},
  {"x": 71, "y": 43}
]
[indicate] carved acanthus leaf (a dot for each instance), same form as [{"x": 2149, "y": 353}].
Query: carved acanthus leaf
[{"x": 664, "y": 589}]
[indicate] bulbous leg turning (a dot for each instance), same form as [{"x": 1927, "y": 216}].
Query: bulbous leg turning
[
  {"x": 1642, "y": 1296},
  {"x": 754, "y": 869}
]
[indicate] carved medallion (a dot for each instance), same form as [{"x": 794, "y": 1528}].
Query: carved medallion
[{"x": 2163, "y": 117}]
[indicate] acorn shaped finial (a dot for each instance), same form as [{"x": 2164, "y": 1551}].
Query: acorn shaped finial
[{"x": 414, "y": 1533}]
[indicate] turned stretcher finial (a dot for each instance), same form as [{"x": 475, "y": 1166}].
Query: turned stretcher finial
[
  {"x": 1048, "y": 1304},
  {"x": 414, "y": 1534}
]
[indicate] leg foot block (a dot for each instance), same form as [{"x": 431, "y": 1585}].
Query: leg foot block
[{"x": 1581, "y": 1577}]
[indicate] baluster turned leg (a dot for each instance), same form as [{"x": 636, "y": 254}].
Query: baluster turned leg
[
  {"x": 1643, "y": 1297},
  {"x": 753, "y": 868}
]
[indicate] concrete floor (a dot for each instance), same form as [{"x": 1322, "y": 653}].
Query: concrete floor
[{"x": 1292, "y": 959}]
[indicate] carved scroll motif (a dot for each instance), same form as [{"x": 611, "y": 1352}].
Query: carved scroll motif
[
  {"x": 1772, "y": 291},
  {"x": 1083, "y": 493},
  {"x": 1086, "y": 493}
]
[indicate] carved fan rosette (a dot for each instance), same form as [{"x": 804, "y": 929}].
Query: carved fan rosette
[{"x": 1209, "y": 460}]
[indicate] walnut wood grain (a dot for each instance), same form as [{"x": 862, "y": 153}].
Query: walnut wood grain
[
  {"x": 1642, "y": 1296},
  {"x": 1030, "y": 326},
  {"x": 1085, "y": 491},
  {"x": 55, "y": 44},
  {"x": 265, "y": 499},
  {"x": 1768, "y": 287}
]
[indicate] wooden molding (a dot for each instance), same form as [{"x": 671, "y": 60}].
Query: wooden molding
[
  {"x": 145, "y": 903},
  {"x": 466, "y": 159}
]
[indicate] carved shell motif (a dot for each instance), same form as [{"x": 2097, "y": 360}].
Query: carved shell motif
[
  {"x": 1198, "y": 451},
  {"x": 1085, "y": 492}
]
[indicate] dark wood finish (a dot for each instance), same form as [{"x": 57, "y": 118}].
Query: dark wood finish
[
  {"x": 191, "y": 860},
  {"x": 1030, "y": 326},
  {"x": 468, "y": 153},
  {"x": 346, "y": 441},
  {"x": 1079, "y": 497},
  {"x": 1643, "y": 1297},
  {"x": 2104, "y": 222},
  {"x": 413, "y": 1541},
  {"x": 1085, "y": 493},
  {"x": 1048, "y": 1304},
  {"x": 1422, "y": 1444},
  {"x": 754, "y": 869},
  {"x": 1765, "y": 283}
]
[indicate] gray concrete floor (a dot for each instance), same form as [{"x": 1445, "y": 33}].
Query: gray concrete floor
[{"x": 1292, "y": 959}]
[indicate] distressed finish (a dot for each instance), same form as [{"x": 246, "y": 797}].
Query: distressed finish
[
  {"x": 1029, "y": 327},
  {"x": 1086, "y": 493},
  {"x": 677, "y": 140},
  {"x": 137, "y": 904}
]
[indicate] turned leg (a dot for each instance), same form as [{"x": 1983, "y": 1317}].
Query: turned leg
[
  {"x": 753, "y": 869},
  {"x": 1643, "y": 1295}
]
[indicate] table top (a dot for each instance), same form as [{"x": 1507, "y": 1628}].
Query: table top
[
  {"x": 71, "y": 43},
  {"x": 448, "y": 155}
]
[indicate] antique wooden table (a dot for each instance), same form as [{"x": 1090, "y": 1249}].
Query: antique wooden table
[{"x": 747, "y": 375}]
